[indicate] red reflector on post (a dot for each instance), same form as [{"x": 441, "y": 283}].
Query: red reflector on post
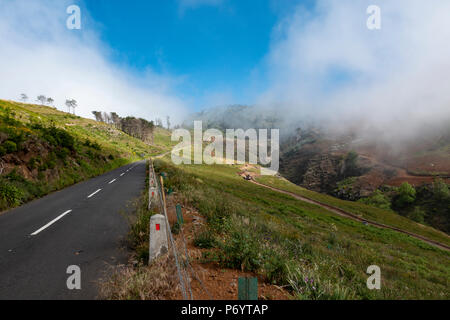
[{"x": 157, "y": 227}]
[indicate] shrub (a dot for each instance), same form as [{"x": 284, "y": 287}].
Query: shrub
[
  {"x": 241, "y": 251},
  {"x": 417, "y": 215},
  {"x": 10, "y": 146},
  {"x": 2, "y": 151},
  {"x": 406, "y": 195},
  {"x": 96, "y": 146},
  {"x": 10, "y": 194},
  {"x": 205, "y": 240},
  {"x": 59, "y": 137},
  {"x": 42, "y": 168},
  {"x": 275, "y": 269},
  {"x": 51, "y": 164},
  {"x": 14, "y": 176},
  {"x": 176, "y": 228},
  {"x": 440, "y": 190},
  {"x": 33, "y": 163},
  {"x": 62, "y": 153},
  {"x": 51, "y": 160},
  {"x": 377, "y": 199}
]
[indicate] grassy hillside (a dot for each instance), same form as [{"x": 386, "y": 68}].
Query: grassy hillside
[
  {"x": 314, "y": 253},
  {"x": 383, "y": 216},
  {"x": 43, "y": 150}
]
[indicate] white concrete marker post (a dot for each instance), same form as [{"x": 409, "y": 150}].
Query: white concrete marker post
[
  {"x": 158, "y": 237},
  {"x": 152, "y": 197},
  {"x": 152, "y": 182}
]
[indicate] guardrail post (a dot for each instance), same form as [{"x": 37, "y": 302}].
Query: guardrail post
[
  {"x": 158, "y": 237},
  {"x": 179, "y": 214},
  {"x": 152, "y": 186},
  {"x": 152, "y": 197}
]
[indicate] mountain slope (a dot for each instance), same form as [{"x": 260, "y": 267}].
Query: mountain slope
[{"x": 43, "y": 150}]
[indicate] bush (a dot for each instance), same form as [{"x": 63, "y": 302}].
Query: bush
[
  {"x": 377, "y": 199},
  {"x": 10, "y": 146},
  {"x": 14, "y": 176},
  {"x": 441, "y": 191},
  {"x": 406, "y": 195},
  {"x": 51, "y": 164},
  {"x": 2, "y": 151},
  {"x": 42, "y": 167},
  {"x": 205, "y": 240},
  {"x": 59, "y": 137},
  {"x": 241, "y": 251},
  {"x": 176, "y": 228},
  {"x": 62, "y": 153},
  {"x": 417, "y": 215},
  {"x": 33, "y": 163},
  {"x": 10, "y": 194},
  {"x": 275, "y": 269},
  {"x": 96, "y": 146}
]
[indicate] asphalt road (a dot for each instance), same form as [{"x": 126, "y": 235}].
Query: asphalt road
[{"x": 81, "y": 225}]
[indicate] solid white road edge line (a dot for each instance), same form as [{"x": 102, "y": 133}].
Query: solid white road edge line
[
  {"x": 91, "y": 195},
  {"x": 51, "y": 222}
]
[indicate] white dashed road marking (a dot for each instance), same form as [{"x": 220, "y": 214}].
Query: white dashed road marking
[
  {"x": 91, "y": 195},
  {"x": 51, "y": 222}
]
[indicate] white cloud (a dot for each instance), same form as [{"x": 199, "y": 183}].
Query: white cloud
[
  {"x": 327, "y": 64},
  {"x": 39, "y": 55}
]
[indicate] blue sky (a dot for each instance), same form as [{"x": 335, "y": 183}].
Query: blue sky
[
  {"x": 171, "y": 57},
  {"x": 213, "y": 45}
]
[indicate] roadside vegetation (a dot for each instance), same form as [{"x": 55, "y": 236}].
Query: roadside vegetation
[
  {"x": 302, "y": 247},
  {"x": 136, "y": 280},
  {"x": 43, "y": 150}
]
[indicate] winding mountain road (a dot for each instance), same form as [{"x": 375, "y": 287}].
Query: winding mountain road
[{"x": 80, "y": 225}]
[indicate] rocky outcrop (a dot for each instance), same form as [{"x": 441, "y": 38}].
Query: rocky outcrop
[{"x": 322, "y": 173}]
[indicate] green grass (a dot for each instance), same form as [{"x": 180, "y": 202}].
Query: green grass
[
  {"x": 285, "y": 240},
  {"x": 50, "y": 150},
  {"x": 104, "y": 134},
  {"x": 384, "y": 216}
]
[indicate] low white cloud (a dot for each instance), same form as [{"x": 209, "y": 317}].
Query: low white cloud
[
  {"x": 325, "y": 63},
  {"x": 39, "y": 55}
]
